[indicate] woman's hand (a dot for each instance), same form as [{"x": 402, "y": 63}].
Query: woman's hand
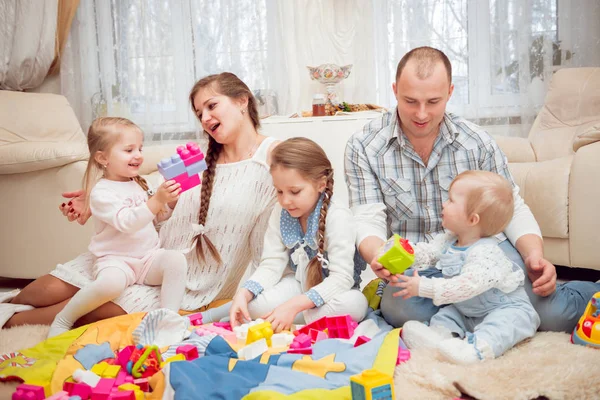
[
  {"x": 74, "y": 209},
  {"x": 239, "y": 307},
  {"x": 282, "y": 317}
]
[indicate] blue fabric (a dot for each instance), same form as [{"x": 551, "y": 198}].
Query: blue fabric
[
  {"x": 558, "y": 312},
  {"x": 253, "y": 286},
  {"x": 92, "y": 354}
]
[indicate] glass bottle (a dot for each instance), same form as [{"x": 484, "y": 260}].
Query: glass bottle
[{"x": 318, "y": 105}]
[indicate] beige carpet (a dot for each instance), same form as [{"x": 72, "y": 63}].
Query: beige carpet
[{"x": 548, "y": 365}]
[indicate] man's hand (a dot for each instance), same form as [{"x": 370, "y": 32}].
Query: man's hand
[
  {"x": 74, "y": 209},
  {"x": 408, "y": 284},
  {"x": 542, "y": 274}
]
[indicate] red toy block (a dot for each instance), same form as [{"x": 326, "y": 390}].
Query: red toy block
[
  {"x": 80, "y": 389},
  {"x": 124, "y": 355},
  {"x": 190, "y": 352},
  {"x": 190, "y": 154},
  {"x": 319, "y": 325},
  {"x": 341, "y": 327},
  {"x": 28, "y": 392},
  {"x": 306, "y": 350},
  {"x": 361, "y": 340},
  {"x": 195, "y": 319},
  {"x": 143, "y": 384},
  {"x": 103, "y": 389}
]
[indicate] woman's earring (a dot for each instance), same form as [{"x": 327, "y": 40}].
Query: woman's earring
[{"x": 243, "y": 110}]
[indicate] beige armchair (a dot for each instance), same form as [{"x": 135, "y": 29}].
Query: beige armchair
[
  {"x": 558, "y": 168},
  {"x": 43, "y": 152}
]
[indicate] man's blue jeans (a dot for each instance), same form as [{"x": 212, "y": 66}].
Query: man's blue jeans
[{"x": 558, "y": 312}]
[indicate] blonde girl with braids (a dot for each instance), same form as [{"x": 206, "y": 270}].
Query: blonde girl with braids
[
  {"x": 125, "y": 245},
  {"x": 218, "y": 226},
  {"x": 307, "y": 266}
]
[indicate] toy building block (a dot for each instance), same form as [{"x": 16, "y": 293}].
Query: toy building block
[
  {"x": 28, "y": 392},
  {"x": 111, "y": 371},
  {"x": 123, "y": 377},
  {"x": 175, "y": 358},
  {"x": 195, "y": 319},
  {"x": 139, "y": 395},
  {"x": 124, "y": 355},
  {"x": 301, "y": 341},
  {"x": 396, "y": 255},
  {"x": 224, "y": 325},
  {"x": 361, "y": 340},
  {"x": 304, "y": 350},
  {"x": 99, "y": 368},
  {"x": 253, "y": 350},
  {"x": 62, "y": 395},
  {"x": 341, "y": 327},
  {"x": 79, "y": 389},
  {"x": 87, "y": 377},
  {"x": 103, "y": 389},
  {"x": 142, "y": 383},
  {"x": 319, "y": 325},
  {"x": 260, "y": 331},
  {"x": 316, "y": 335},
  {"x": 372, "y": 384},
  {"x": 190, "y": 352},
  {"x": 122, "y": 395},
  {"x": 282, "y": 339},
  {"x": 171, "y": 167},
  {"x": 403, "y": 352},
  {"x": 212, "y": 330},
  {"x": 190, "y": 154},
  {"x": 187, "y": 182}
]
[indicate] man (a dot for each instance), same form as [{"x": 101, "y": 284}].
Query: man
[{"x": 399, "y": 169}]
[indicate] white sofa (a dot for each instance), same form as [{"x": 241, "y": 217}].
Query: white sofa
[{"x": 43, "y": 152}]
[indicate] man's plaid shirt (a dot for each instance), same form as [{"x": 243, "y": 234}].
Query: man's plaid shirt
[{"x": 391, "y": 190}]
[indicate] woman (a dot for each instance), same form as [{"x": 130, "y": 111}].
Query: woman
[{"x": 218, "y": 226}]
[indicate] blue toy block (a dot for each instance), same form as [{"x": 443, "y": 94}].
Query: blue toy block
[
  {"x": 196, "y": 168},
  {"x": 171, "y": 167}
]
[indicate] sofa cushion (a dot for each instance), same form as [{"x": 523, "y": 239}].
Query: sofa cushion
[
  {"x": 545, "y": 189},
  {"x": 586, "y": 134},
  {"x": 38, "y": 131}
]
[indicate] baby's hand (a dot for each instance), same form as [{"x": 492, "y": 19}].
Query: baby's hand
[
  {"x": 408, "y": 284},
  {"x": 168, "y": 192}
]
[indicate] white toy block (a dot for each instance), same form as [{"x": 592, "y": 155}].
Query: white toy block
[
  {"x": 253, "y": 350},
  {"x": 282, "y": 339},
  {"x": 87, "y": 377}
]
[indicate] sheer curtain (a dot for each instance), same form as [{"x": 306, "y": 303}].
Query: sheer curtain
[{"x": 139, "y": 58}]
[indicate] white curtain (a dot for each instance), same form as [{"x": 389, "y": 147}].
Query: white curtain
[
  {"x": 27, "y": 38},
  {"x": 139, "y": 58}
]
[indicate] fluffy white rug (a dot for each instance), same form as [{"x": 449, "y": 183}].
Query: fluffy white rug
[{"x": 547, "y": 365}]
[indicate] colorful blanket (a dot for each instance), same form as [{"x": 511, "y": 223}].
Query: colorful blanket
[{"x": 218, "y": 373}]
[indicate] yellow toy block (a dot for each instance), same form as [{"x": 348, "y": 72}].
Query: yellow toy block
[
  {"x": 176, "y": 357},
  {"x": 372, "y": 384},
  {"x": 259, "y": 331},
  {"x": 111, "y": 371},
  {"x": 396, "y": 255},
  {"x": 139, "y": 395},
  {"x": 99, "y": 369}
]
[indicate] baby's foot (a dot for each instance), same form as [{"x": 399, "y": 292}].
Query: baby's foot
[
  {"x": 460, "y": 351},
  {"x": 418, "y": 335}
]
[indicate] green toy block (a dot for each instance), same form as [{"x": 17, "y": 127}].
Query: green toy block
[{"x": 396, "y": 255}]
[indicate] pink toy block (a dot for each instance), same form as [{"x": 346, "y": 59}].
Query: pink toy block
[
  {"x": 316, "y": 335},
  {"x": 301, "y": 341},
  {"x": 211, "y": 330},
  {"x": 190, "y": 154},
  {"x": 319, "y": 325},
  {"x": 187, "y": 182},
  {"x": 123, "y": 395},
  {"x": 341, "y": 327},
  {"x": 190, "y": 352},
  {"x": 143, "y": 384},
  {"x": 62, "y": 395},
  {"x": 80, "y": 389},
  {"x": 403, "y": 356},
  {"x": 306, "y": 350},
  {"x": 195, "y": 319},
  {"x": 361, "y": 340},
  {"x": 28, "y": 392},
  {"x": 122, "y": 377},
  {"x": 224, "y": 325},
  {"x": 103, "y": 389},
  {"x": 124, "y": 355}
]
